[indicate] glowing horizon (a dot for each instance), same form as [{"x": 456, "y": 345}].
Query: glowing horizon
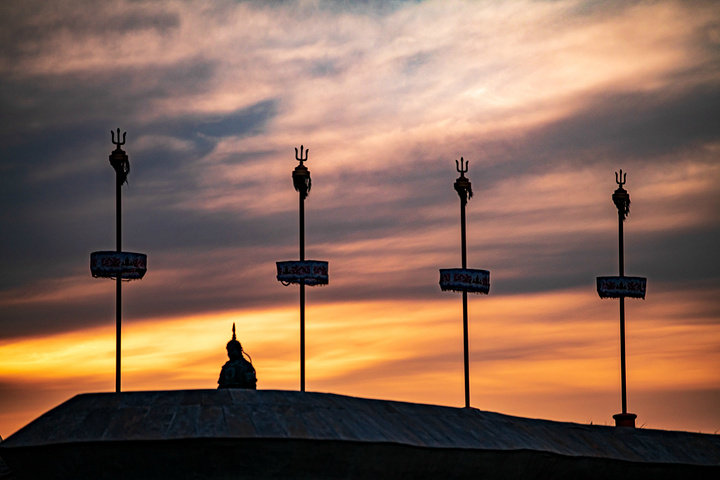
[{"x": 520, "y": 345}]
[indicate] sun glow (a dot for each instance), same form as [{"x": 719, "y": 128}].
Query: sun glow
[{"x": 520, "y": 346}]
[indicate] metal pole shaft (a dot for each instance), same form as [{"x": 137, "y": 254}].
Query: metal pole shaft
[
  {"x": 302, "y": 295},
  {"x": 465, "y": 344},
  {"x": 465, "y": 307},
  {"x": 623, "y": 374},
  {"x": 620, "y": 246},
  {"x": 462, "y": 234},
  {"x": 118, "y": 280}
]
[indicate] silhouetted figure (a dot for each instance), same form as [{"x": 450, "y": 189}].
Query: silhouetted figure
[{"x": 237, "y": 372}]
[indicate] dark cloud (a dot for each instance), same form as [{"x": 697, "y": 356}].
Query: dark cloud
[
  {"x": 30, "y": 28},
  {"x": 640, "y": 125},
  {"x": 595, "y": 9},
  {"x": 202, "y": 128},
  {"x": 683, "y": 256},
  {"x": 326, "y": 68},
  {"x": 619, "y": 128},
  {"x": 173, "y": 229},
  {"x": 178, "y": 283},
  {"x": 56, "y": 217},
  {"x": 347, "y": 209},
  {"x": 41, "y": 104},
  {"x": 366, "y": 7},
  {"x": 411, "y": 64}
]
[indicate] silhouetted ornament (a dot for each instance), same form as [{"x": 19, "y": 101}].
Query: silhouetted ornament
[
  {"x": 301, "y": 174},
  {"x": 465, "y": 280},
  {"x": 616, "y": 287},
  {"x": 111, "y": 264},
  {"x": 119, "y": 159},
  {"x": 462, "y": 185},
  {"x": 307, "y": 272},
  {"x": 620, "y": 197},
  {"x": 237, "y": 372}
]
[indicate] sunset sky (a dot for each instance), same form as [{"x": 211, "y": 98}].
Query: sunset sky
[{"x": 545, "y": 99}]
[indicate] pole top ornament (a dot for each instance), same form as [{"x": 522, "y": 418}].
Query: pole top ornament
[
  {"x": 118, "y": 144},
  {"x": 620, "y": 178},
  {"x": 620, "y": 197},
  {"x": 462, "y": 170},
  {"x": 119, "y": 159},
  {"x": 301, "y": 174},
  {"x": 300, "y": 157},
  {"x": 462, "y": 185}
]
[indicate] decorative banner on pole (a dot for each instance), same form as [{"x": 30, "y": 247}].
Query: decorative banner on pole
[
  {"x": 307, "y": 272},
  {"x": 465, "y": 280},
  {"x": 111, "y": 264},
  {"x": 617, "y": 287}
]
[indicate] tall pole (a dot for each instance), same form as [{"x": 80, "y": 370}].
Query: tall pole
[
  {"x": 301, "y": 181},
  {"x": 464, "y": 189},
  {"x": 621, "y": 199},
  {"x": 620, "y": 287},
  {"x": 464, "y": 279},
  {"x": 465, "y": 309},
  {"x": 121, "y": 164},
  {"x": 122, "y": 266},
  {"x": 623, "y": 371},
  {"x": 303, "y": 272},
  {"x": 302, "y": 294},
  {"x": 118, "y": 281}
]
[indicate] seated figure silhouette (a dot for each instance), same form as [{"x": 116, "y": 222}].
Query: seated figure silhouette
[{"x": 237, "y": 372}]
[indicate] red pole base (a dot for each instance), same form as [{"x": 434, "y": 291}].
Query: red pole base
[{"x": 625, "y": 419}]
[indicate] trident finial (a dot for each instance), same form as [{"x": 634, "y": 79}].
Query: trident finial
[
  {"x": 300, "y": 158},
  {"x": 620, "y": 179},
  {"x": 234, "y": 337},
  {"x": 462, "y": 170},
  {"x": 118, "y": 143},
  {"x": 620, "y": 197},
  {"x": 462, "y": 185}
]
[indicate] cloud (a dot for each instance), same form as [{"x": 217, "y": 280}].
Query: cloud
[{"x": 633, "y": 126}]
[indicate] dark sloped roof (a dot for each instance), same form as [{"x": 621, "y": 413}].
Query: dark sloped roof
[{"x": 265, "y": 415}]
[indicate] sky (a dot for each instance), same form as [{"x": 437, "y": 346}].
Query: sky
[{"x": 546, "y": 100}]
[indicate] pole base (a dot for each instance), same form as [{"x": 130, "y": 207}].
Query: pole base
[{"x": 625, "y": 419}]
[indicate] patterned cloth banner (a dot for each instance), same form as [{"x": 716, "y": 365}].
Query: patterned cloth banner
[
  {"x": 465, "y": 280},
  {"x": 128, "y": 265},
  {"x": 616, "y": 287},
  {"x": 310, "y": 272}
]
